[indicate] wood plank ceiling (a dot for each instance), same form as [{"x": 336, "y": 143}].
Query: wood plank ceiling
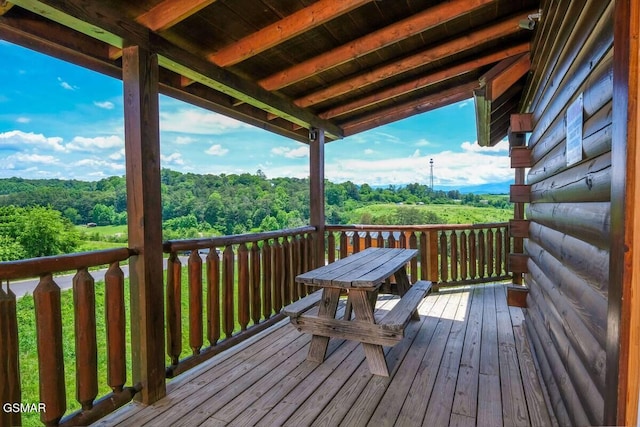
[{"x": 288, "y": 65}]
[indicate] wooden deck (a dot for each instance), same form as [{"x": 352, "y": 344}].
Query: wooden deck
[{"x": 466, "y": 362}]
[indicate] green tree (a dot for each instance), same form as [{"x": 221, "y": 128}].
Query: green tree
[
  {"x": 103, "y": 215},
  {"x": 45, "y": 232}
]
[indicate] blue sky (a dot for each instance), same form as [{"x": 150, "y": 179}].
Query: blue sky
[{"x": 61, "y": 121}]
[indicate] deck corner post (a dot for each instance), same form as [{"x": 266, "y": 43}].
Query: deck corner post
[
  {"x": 144, "y": 210},
  {"x": 316, "y": 187}
]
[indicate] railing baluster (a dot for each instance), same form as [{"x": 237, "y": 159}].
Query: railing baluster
[
  {"x": 432, "y": 253},
  {"x": 507, "y": 248},
  {"x": 50, "y": 357},
  {"x": 367, "y": 239},
  {"x": 267, "y": 279},
  {"x": 115, "y": 327},
  {"x": 84, "y": 305},
  {"x": 344, "y": 249},
  {"x": 490, "y": 262},
  {"x": 287, "y": 293},
  {"x": 498, "y": 254},
  {"x": 213, "y": 296},
  {"x": 464, "y": 256},
  {"x": 331, "y": 249},
  {"x": 454, "y": 255},
  {"x": 473, "y": 255},
  {"x": 278, "y": 275},
  {"x": 243, "y": 286},
  {"x": 228, "y": 280},
  {"x": 9, "y": 353},
  {"x": 402, "y": 243},
  {"x": 195, "y": 302},
  {"x": 413, "y": 244},
  {"x": 481, "y": 254},
  {"x": 444, "y": 259},
  {"x": 391, "y": 240},
  {"x": 255, "y": 284},
  {"x": 380, "y": 240},
  {"x": 174, "y": 308},
  {"x": 424, "y": 256},
  {"x": 301, "y": 255}
]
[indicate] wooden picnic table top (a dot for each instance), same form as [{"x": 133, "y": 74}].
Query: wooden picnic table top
[{"x": 366, "y": 269}]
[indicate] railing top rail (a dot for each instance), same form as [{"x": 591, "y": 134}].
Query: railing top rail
[
  {"x": 369, "y": 227},
  {"x": 22, "y": 269},
  {"x": 191, "y": 244}
]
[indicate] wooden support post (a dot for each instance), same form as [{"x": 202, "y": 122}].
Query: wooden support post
[
  {"x": 144, "y": 209},
  {"x": 316, "y": 183},
  {"x": 623, "y": 317}
]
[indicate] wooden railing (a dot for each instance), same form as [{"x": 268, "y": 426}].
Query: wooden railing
[
  {"x": 240, "y": 286},
  {"x": 449, "y": 255},
  {"x": 49, "y": 321}
]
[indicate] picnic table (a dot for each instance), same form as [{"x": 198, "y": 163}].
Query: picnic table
[{"x": 361, "y": 276}]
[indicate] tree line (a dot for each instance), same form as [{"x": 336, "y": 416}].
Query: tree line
[{"x": 195, "y": 204}]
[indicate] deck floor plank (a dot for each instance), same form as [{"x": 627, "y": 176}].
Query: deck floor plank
[
  {"x": 441, "y": 402},
  {"x": 466, "y": 362},
  {"x": 466, "y": 395},
  {"x": 514, "y": 405}
]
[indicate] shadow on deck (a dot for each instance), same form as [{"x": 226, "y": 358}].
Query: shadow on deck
[{"x": 466, "y": 362}]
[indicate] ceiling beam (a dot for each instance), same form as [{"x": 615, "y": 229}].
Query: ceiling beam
[
  {"x": 422, "y": 105},
  {"x": 60, "y": 42},
  {"x": 107, "y": 25},
  {"x": 468, "y": 41},
  {"x": 297, "y": 23},
  {"x": 501, "y": 82},
  {"x": 168, "y": 13},
  {"x": 396, "y": 32},
  {"x": 424, "y": 81}
]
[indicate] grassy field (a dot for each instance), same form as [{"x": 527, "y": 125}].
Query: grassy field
[{"x": 449, "y": 213}]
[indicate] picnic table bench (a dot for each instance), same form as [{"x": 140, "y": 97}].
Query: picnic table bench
[{"x": 361, "y": 276}]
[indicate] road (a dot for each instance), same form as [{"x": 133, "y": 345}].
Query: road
[{"x": 25, "y": 287}]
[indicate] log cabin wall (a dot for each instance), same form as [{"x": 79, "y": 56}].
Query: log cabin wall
[{"x": 569, "y": 213}]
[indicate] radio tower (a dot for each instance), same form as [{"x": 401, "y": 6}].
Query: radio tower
[{"x": 431, "y": 163}]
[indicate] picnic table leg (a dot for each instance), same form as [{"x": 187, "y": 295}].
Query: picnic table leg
[
  {"x": 402, "y": 280},
  {"x": 327, "y": 309},
  {"x": 364, "y": 312}
]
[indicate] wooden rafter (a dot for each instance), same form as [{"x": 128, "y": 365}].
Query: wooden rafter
[
  {"x": 468, "y": 41},
  {"x": 376, "y": 40},
  {"x": 425, "y": 81},
  {"x": 105, "y": 24},
  {"x": 168, "y": 13},
  {"x": 509, "y": 72},
  {"x": 427, "y": 103},
  {"x": 303, "y": 20}
]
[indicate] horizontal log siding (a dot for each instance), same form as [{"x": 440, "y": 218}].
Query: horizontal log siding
[{"x": 569, "y": 232}]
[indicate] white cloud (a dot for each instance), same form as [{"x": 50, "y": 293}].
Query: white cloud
[
  {"x": 117, "y": 155},
  {"x": 81, "y": 143},
  {"x": 291, "y": 153},
  {"x": 184, "y": 140},
  {"x": 17, "y": 140},
  {"x": 107, "y": 105},
  {"x": 423, "y": 143},
  {"x": 456, "y": 169},
  {"x": 217, "y": 150},
  {"x": 33, "y": 158},
  {"x": 99, "y": 164},
  {"x": 66, "y": 85},
  {"x": 196, "y": 121},
  {"x": 501, "y": 147},
  {"x": 23, "y": 120},
  {"x": 368, "y": 152},
  {"x": 172, "y": 159}
]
